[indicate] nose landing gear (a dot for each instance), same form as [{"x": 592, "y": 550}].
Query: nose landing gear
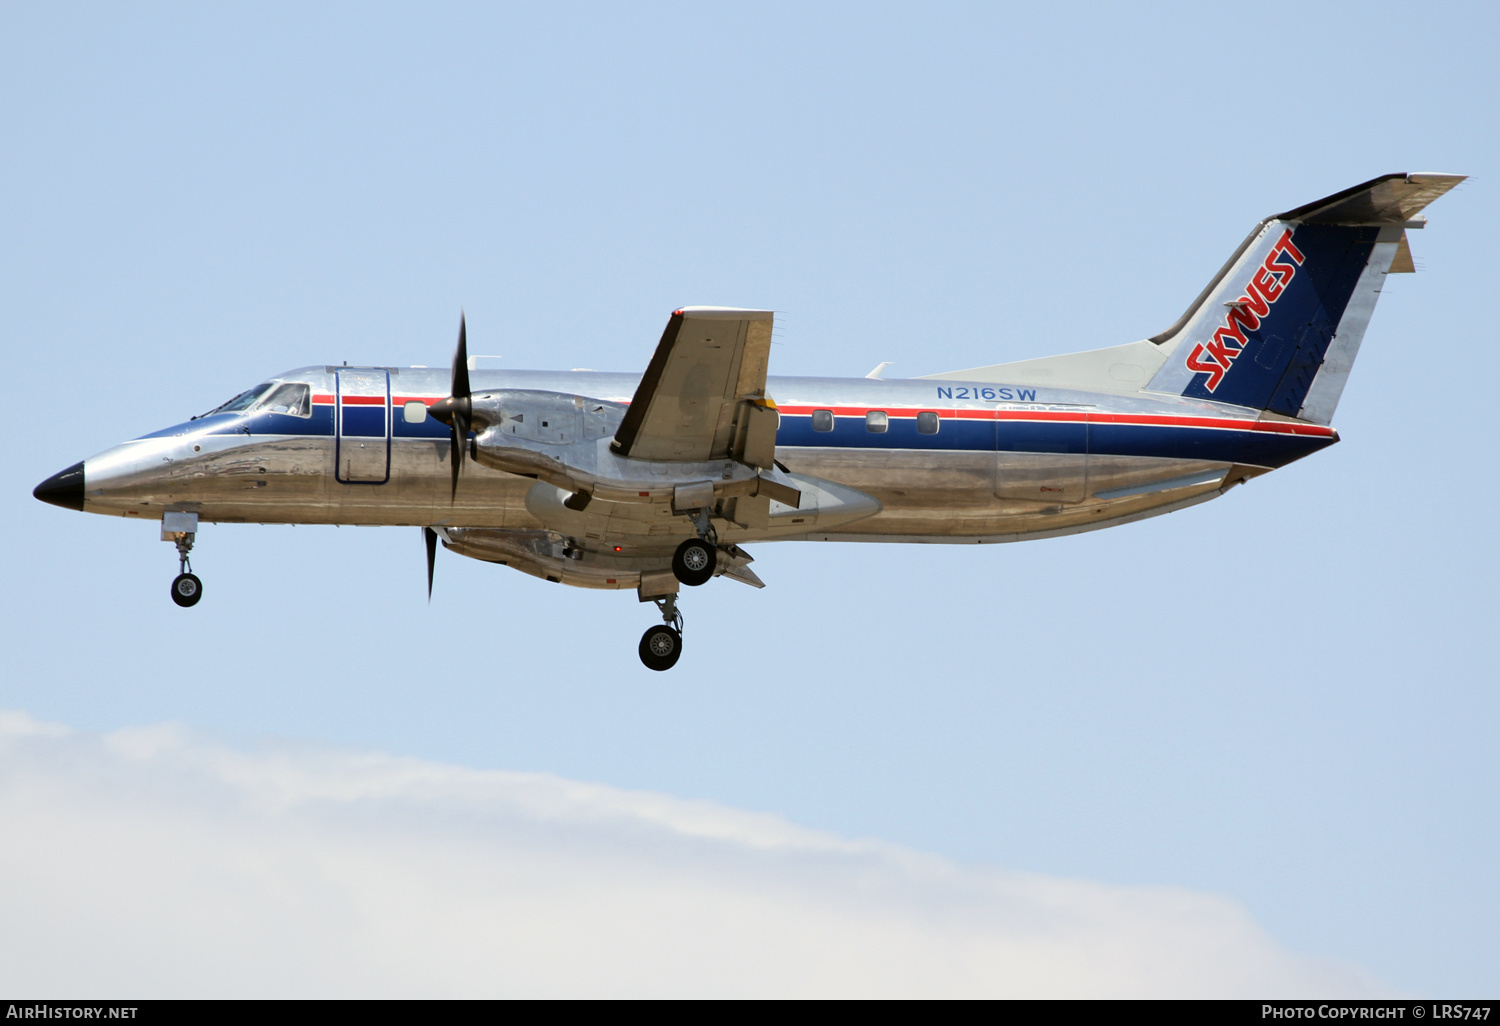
[
  {"x": 182, "y": 528},
  {"x": 662, "y": 646}
]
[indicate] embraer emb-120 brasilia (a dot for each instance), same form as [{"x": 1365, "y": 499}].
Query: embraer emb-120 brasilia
[{"x": 653, "y": 481}]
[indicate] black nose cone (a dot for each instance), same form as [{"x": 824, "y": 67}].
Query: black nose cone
[{"x": 64, "y": 488}]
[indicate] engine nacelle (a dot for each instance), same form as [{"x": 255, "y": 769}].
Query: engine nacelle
[
  {"x": 564, "y": 440},
  {"x": 552, "y": 557}
]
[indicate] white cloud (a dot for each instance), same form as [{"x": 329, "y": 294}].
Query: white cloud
[{"x": 159, "y": 862}]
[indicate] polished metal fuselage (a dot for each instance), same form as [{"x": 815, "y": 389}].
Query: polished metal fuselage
[{"x": 1003, "y": 464}]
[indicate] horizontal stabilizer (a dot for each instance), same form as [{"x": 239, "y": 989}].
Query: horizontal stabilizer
[{"x": 1389, "y": 199}]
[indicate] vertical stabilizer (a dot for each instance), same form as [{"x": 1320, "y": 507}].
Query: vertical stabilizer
[{"x": 1279, "y": 327}]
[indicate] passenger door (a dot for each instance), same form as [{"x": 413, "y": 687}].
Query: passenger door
[{"x": 363, "y": 441}]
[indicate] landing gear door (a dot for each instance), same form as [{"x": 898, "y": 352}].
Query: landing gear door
[{"x": 363, "y": 444}]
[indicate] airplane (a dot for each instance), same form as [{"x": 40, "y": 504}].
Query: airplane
[{"x": 656, "y": 481}]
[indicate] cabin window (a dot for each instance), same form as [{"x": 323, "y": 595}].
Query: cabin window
[
  {"x": 927, "y": 423},
  {"x": 876, "y": 421},
  {"x": 414, "y": 411},
  {"x": 292, "y": 399},
  {"x": 822, "y": 420}
]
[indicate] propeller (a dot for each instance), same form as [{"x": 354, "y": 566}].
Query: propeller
[
  {"x": 431, "y": 538},
  {"x": 457, "y": 410}
]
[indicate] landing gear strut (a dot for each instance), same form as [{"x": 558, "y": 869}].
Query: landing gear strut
[
  {"x": 182, "y": 528},
  {"x": 662, "y": 646}
]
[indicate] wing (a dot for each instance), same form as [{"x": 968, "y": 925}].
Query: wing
[{"x": 703, "y": 397}]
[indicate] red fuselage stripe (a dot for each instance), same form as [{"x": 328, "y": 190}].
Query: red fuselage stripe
[
  {"x": 1045, "y": 416},
  {"x": 375, "y": 400},
  {"x": 1064, "y": 416}
]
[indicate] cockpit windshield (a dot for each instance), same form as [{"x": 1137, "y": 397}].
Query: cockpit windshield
[
  {"x": 289, "y": 397},
  {"x": 243, "y": 401}
]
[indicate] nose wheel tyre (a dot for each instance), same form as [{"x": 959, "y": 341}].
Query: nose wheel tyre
[
  {"x": 694, "y": 561},
  {"x": 660, "y": 647},
  {"x": 187, "y": 590}
]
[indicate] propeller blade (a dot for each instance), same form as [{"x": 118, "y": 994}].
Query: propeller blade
[
  {"x": 461, "y": 394},
  {"x": 431, "y": 538},
  {"x": 457, "y": 410},
  {"x": 458, "y": 439},
  {"x": 461, "y": 361}
]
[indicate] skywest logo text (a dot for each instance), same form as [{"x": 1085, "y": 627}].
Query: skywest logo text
[{"x": 1245, "y": 313}]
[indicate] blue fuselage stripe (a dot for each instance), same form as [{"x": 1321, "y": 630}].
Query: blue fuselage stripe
[{"x": 1256, "y": 448}]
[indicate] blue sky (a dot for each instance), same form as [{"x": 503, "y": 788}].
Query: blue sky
[{"x": 1285, "y": 697}]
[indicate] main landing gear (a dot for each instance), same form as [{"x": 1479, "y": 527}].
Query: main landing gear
[
  {"x": 695, "y": 559},
  {"x": 693, "y": 564},
  {"x": 187, "y": 589},
  {"x": 662, "y": 646},
  {"x": 182, "y": 528}
]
